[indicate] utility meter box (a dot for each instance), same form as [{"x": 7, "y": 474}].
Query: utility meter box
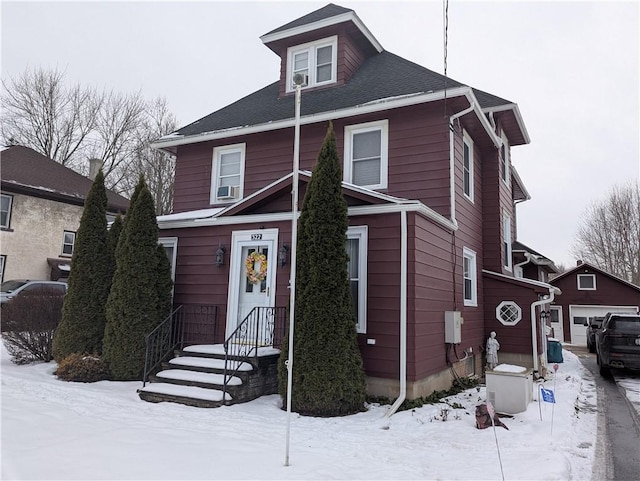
[{"x": 453, "y": 327}]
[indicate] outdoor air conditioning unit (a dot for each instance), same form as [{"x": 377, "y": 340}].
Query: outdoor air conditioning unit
[
  {"x": 228, "y": 192},
  {"x": 301, "y": 79}
]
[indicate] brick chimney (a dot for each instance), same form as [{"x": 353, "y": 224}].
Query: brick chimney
[
  {"x": 579, "y": 262},
  {"x": 94, "y": 167}
]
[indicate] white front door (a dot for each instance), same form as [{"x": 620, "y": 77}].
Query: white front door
[{"x": 252, "y": 277}]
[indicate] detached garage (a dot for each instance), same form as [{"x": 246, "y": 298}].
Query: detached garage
[{"x": 588, "y": 292}]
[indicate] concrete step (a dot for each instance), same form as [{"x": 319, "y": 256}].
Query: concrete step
[
  {"x": 189, "y": 395},
  {"x": 195, "y": 378}
]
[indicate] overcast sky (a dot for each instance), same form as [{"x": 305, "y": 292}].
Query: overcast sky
[{"x": 572, "y": 67}]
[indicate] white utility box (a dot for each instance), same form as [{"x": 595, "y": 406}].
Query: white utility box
[
  {"x": 453, "y": 327},
  {"x": 509, "y": 388}
]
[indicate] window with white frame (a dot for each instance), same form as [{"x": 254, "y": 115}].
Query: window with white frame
[
  {"x": 508, "y": 313},
  {"x": 316, "y": 60},
  {"x": 3, "y": 261},
  {"x": 586, "y": 282},
  {"x": 470, "y": 277},
  {"x": 68, "y": 242},
  {"x": 357, "y": 269},
  {"x": 506, "y": 241},
  {"x": 467, "y": 166},
  {"x": 227, "y": 173},
  {"x": 6, "y": 202},
  {"x": 366, "y": 154},
  {"x": 504, "y": 160},
  {"x": 170, "y": 245}
]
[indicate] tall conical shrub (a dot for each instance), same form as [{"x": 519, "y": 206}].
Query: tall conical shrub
[
  {"x": 134, "y": 306},
  {"x": 83, "y": 315},
  {"x": 328, "y": 373}
]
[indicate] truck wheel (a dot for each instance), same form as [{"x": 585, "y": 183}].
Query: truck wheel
[{"x": 604, "y": 370}]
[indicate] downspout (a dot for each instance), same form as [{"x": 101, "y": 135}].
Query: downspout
[
  {"x": 534, "y": 332},
  {"x": 403, "y": 315},
  {"x": 452, "y": 177},
  {"x": 520, "y": 264}
]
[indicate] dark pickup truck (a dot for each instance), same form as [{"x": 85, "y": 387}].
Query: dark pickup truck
[{"x": 618, "y": 342}]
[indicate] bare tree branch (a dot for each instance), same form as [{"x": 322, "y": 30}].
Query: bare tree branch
[{"x": 609, "y": 236}]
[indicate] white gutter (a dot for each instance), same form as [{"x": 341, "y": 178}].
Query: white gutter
[
  {"x": 520, "y": 264},
  {"x": 452, "y": 177},
  {"x": 534, "y": 334},
  {"x": 173, "y": 140},
  {"x": 403, "y": 315}
]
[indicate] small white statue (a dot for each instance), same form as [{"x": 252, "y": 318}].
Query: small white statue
[{"x": 493, "y": 346}]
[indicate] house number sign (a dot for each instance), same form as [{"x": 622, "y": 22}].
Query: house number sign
[{"x": 256, "y": 236}]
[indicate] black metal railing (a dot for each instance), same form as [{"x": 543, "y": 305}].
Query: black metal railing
[
  {"x": 263, "y": 328},
  {"x": 185, "y": 324},
  {"x": 161, "y": 342}
]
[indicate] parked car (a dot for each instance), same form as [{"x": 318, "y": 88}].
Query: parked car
[
  {"x": 618, "y": 342},
  {"x": 13, "y": 288},
  {"x": 595, "y": 324}
]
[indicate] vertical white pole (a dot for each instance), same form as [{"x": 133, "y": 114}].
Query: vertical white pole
[{"x": 292, "y": 281}]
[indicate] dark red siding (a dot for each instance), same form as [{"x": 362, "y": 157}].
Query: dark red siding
[{"x": 610, "y": 291}]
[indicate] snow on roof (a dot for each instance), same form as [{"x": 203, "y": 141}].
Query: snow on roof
[{"x": 190, "y": 215}]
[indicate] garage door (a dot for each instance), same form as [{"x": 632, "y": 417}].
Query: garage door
[{"x": 580, "y": 315}]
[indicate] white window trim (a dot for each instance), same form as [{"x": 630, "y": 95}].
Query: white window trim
[
  {"x": 171, "y": 242},
  {"x": 312, "y": 48},
  {"x": 73, "y": 244},
  {"x": 466, "y": 139},
  {"x": 361, "y": 233},
  {"x": 472, "y": 256},
  {"x": 506, "y": 241},
  {"x": 511, "y": 304},
  {"x": 3, "y": 263},
  {"x": 586, "y": 288},
  {"x": 8, "y": 224},
  {"x": 507, "y": 160},
  {"x": 215, "y": 169},
  {"x": 349, "y": 131}
]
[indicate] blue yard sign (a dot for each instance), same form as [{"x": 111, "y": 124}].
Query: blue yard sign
[{"x": 547, "y": 395}]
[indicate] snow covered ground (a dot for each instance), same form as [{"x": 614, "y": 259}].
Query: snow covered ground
[{"x": 57, "y": 430}]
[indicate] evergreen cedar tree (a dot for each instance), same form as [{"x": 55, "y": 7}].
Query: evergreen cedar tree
[
  {"x": 83, "y": 316},
  {"x": 140, "y": 296},
  {"x": 328, "y": 373}
]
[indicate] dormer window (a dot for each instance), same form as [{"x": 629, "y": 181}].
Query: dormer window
[{"x": 315, "y": 60}]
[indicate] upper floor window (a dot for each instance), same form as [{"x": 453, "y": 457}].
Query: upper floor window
[
  {"x": 470, "y": 277},
  {"x": 357, "y": 267},
  {"x": 6, "y": 202},
  {"x": 506, "y": 241},
  {"x": 586, "y": 282},
  {"x": 366, "y": 154},
  {"x": 315, "y": 60},
  {"x": 68, "y": 242},
  {"x": 504, "y": 160},
  {"x": 227, "y": 173},
  {"x": 467, "y": 166}
]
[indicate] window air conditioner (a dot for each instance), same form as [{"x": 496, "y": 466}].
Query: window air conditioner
[
  {"x": 301, "y": 79},
  {"x": 228, "y": 192}
]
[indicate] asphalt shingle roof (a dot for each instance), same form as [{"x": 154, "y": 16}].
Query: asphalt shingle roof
[
  {"x": 382, "y": 76},
  {"x": 22, "y": 167},
  {"x": 323, "y": 13}
]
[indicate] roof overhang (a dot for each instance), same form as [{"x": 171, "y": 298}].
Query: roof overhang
[
  {"x": 520, "y": 192},
  {"x": 169, "y": 142},
  {"x": 327, "y": 22},
  {"x": 513, "y": 110},
  {"x": 530, "y": 283},
  {"x": 231, "y": 215}
]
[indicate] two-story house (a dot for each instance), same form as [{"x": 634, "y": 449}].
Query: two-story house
[
  {"x": 431, "y": 192},
  {"x": 41, "y": 206}
]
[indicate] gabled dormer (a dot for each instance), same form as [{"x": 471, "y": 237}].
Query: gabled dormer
[{"x": 326, "y": 47}]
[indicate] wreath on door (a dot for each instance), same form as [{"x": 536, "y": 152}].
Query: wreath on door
[{"x": 250, "y": 263}]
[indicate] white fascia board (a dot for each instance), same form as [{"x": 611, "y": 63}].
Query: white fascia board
[
  {"x": 525, "y": 281},
  {"x": 378, "y": 106},
  {"x": 516, "y": 112},
  {"x": 518, "y": 179},
  {"x": 497, "y": 141},
  {"x": 413, "y": 206},
  {"x": 327, "y": 22}
]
